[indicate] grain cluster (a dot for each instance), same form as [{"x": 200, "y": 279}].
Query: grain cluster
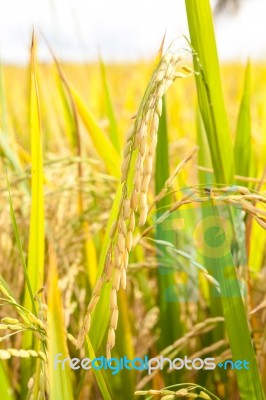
[{"x": 136, "y": 172}]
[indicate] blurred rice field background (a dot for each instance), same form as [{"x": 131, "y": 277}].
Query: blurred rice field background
[{"x": 63, "y": 134}]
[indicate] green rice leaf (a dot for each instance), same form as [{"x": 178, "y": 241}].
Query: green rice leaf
[
  {"x": 209, "y": 88},
  {"x": 6, "y": 388},
  {"x": 21, "y": 253},
  {"x": 60, "y": 382},
  {"x": 235, "y": 315},
  {"x": 242, "y": 149},
  {"x": 98, "y": 373},
  {"x": 169, "y": 321},
  {"x": 101, "y": 314}
]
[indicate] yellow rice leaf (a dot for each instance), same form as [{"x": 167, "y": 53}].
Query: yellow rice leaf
[
  {"x": 36, "y": 236},
  {"x": 101, "y": 142}
]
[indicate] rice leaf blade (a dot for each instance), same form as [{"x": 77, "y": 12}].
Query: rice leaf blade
[
  {"x": 101, "y": 142},
  {"x": 234, "y": 312},
  {"x": 36, "y": 234},
  {"x": 60, "y": 380},
  {"x": 242, "y": 148},
  {"x": 19, "y": 244},
  {"x": 169, "y": 321},
  {"x": 98, "y": 374},
  {"x": 209, "y": 88},
  {"x": 114, "y": 134},
  {"x": 6, "y": 388}
]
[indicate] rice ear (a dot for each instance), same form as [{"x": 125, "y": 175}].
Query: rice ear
[{"x": 136, "y": 172}]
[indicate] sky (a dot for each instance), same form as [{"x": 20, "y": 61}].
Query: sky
[{"x": 120, "y": 30}]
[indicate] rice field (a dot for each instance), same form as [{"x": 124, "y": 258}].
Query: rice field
[{"x": 132, "y": 216}]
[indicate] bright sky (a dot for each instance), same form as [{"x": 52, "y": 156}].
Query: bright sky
[{"x": 120, "y": 30}]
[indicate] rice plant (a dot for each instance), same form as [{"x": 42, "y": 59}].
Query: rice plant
[{"x": 133, "y": 226}]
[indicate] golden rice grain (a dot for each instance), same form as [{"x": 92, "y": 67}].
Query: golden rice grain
[
  {"x": 126, "y": 209},
  {"x": 113, "y": 299},
  {"x": 114, "y": 318},
  {"x": 123, "y": 279},
  {"x": 116, "y": 279},
  {"x": 129, "y": 239},
  {"x": 111, "y": 338}
]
